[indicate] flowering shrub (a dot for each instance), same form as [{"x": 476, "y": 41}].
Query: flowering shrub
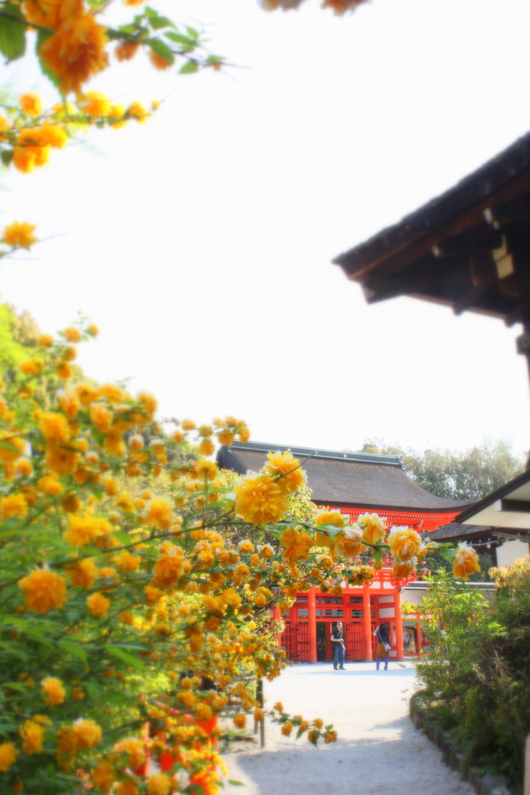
[{"x": 136, "y": 582}]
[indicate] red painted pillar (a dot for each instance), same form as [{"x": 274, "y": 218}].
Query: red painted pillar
[
  {"x": 399, "y": 623},
  {"x": 367, "y": 624},
  {"x": 312, "y": 621}
]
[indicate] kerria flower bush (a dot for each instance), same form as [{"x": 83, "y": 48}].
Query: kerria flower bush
[
  {"x": 136, "y": 581},
  {"x": 123, "y": 605}
]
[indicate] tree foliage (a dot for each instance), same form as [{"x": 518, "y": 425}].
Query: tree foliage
[
  {"x": 475, "y": 675},
  {"x": 453, "y": 474}
]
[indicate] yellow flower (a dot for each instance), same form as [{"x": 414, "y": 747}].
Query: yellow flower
[
  {"x": 92, "y": 329},
  {"x": 226, "y": 437},
  {"x": 8, "y": 756},
  {"x": 334, "y": 518},
  {"x": 330, "y": 736},
  {"x": 32, "y": 733},
  {"x": 259, "y": 500},
  {"x": 45, "y": 340},
  {"x": 349, "y": 541},
  {"x": 72, "y": 334},
  {"x": 178, "y": 437},
  {"x": 318, "y": 723},
  {"x": 404, "y": 542},
  {"x": 244, "y": 434},
  {"x": 240, "y": 720},
  {"x": 87, "y": 733},
  {"x": 50, "y": 486},
  {"x": 126, "y": 50},
  {"x": 403, "y": 568},
  {"x": 19, "y": 235},
  {"x": 11, "y": 447},
  {"x": 138, "y": 112},
  {"x": 98, "y": 605},
  {"x": 287, "y": 728},
  {"x": 52, "y": 691},
  {"x": 466, "y": 562},
  {"x": 206, "y": 447},
  {"x": 87, "y": 394},
  {"x": 170, "y": 566},
  {"x": 76, "y": 51},
  {"x": 13, "y": 505},
  {"x": 373, "y": 527},
  {"x": 103, "y": 777},
  {"x": 126, "y": 562},
  {"x": 31, "y": 367},
  {"x": 265, "y": 550},
  {"x": 83, "y": 574},
  {"x": 51, "y": 13},
  {"x": 114, "y": 443},
  {"x": 44, "y": 590},
  {"x": 95, "y": 104},
  {"x": 159, "y": 784},
  {"x": 359, "y": 575},
  {"x": 31, "y": 104},
  {"x": 24, "y": 467},
  {"x": 206, "y": 469},
  {"x": 296, "y": 545},
  {"x": 83, "y": 530},
  {"x": 54, "y": 428},
  {"x": 134, "y": 751},
  {"x": 159, "y": 513},
  {"x": 289, "y": 475},
  {"x": 70, "y": 404},
  {"x": 61, "y": 460}
]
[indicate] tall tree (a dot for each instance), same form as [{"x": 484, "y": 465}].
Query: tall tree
[{"x": 453, "y": 474}]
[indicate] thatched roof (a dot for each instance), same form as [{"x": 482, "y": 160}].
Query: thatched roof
[{"x": 360, "y": 480}]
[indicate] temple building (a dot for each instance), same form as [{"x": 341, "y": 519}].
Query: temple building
[{"x": 354, "y": 483}]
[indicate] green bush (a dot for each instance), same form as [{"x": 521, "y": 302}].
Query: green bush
[{"x": 476, "y": 675}]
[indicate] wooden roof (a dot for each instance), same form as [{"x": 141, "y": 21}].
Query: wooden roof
[
  {"x": 473, "y": 534},
  {"x": 360, "y": 480},
  {"x": 507, "y": 510},
  {"x": 468, "y": 248}
]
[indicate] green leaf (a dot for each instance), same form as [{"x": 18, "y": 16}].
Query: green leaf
[
  {"x": 127, "y": 658},
  {"x": 158, "y": 22},
  {"x": 93, "y": 691},
  {"x": 193, "y": 33},
  {"x": 161, "y": 48},
  {"x": 12, "y": 32},
  {"x": 77, "y": 651},
  {"x": 235, "y": 783},
  {"x": 188, "y": 43}
]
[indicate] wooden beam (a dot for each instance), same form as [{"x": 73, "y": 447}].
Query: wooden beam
[
  {"x": 468, "y": 300},
  {"x": 512, "y": 506},
  {"x": 481, "y": 239}
]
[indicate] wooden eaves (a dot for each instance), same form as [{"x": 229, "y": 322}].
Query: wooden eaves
[{"x": 468, "y": 249}]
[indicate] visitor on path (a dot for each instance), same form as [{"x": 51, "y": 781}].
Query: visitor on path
[
  {"x": 337, "y": 642},
  {"x": 383, "y": 646}
]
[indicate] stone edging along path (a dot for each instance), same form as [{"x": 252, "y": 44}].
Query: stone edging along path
[{"x": 487, "y": 784}]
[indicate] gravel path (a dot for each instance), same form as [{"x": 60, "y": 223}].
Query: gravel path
[{"x": 378, "y": 751}]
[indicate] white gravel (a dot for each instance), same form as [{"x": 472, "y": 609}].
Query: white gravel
[{"x": 378, "y": 751}]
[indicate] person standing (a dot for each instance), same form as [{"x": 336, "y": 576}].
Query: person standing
[
  {"x": 337, "y": 642},
  {"x": 383, "y": 646}
]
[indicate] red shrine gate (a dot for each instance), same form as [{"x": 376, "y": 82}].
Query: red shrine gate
[{"x": 309, "y": 621}]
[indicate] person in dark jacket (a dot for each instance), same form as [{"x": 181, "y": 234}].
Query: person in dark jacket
[
  {"x": 337, "y": 642},
  {"x": 381, "y": 633}
]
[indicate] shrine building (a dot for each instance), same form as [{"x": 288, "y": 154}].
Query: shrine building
[{"x": 354, "y": 483}]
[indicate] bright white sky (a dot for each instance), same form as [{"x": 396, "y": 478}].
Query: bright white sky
[{"x": 201, "y": 242}]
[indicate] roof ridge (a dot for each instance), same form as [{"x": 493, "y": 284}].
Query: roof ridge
[{"x": 315, "y": 452}]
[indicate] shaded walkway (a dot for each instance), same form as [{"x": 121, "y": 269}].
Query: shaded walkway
[{"x": 378, "y": 752}]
